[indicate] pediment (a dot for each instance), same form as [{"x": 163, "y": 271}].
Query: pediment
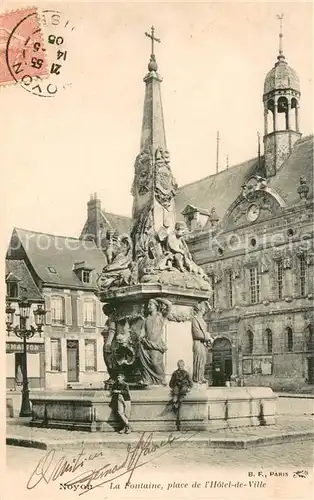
[{"x": 252, "y": 207}]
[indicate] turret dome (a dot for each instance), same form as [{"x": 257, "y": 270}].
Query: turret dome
[{"x": 281, "y": 76}]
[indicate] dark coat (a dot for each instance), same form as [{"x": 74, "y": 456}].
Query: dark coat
[
  {"x": 181, "y": 380},
  {"x": 123, "y": 389}
]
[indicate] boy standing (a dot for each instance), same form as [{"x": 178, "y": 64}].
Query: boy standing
[{"x": 121, "y": 403}]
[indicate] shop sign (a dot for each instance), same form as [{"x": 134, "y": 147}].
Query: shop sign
[{"x": 18, "y": 347}]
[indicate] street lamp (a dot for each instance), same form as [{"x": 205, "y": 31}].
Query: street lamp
[{"x": 24, "y": 333}]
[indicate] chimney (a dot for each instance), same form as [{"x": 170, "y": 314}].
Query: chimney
[
  {"x": 93, "y": 208},
  {"x": 94, "y": 219}
]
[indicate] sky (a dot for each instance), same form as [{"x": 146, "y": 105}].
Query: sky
[{"x": 213, "y": 60}]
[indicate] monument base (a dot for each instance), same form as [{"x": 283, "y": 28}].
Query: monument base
[{"x": 203, "y": 409}]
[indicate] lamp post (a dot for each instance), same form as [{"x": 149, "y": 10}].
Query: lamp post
[{"x": 25, "y": 333}]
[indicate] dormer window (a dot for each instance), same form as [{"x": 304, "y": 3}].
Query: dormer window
[
  {"x": 83, "y": 271},
  {"x": 12, "y": 285},
  {"x": 86, "y": 275},
  {"x": 194, "y": 217},
  {"x": 12, "y": 289}
]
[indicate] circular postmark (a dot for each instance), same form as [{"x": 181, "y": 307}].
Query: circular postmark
[{"x": 37, "y": 52}]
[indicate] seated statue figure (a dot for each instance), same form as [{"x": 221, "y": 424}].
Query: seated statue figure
[
  {"x": 119, "y": 271},
  {"x": 182, "y": 258}
]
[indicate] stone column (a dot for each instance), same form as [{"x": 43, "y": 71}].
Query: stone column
[
  {"x": 265, "y": 121},
  {"x": 288, "y": 116},
  {"x": 297, "y": 117},
  {"x": 234, "y": 353},
  {"x": 275, "y": 118}
]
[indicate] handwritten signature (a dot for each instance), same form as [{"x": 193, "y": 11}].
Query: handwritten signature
[{"x": 48, "y": 469}]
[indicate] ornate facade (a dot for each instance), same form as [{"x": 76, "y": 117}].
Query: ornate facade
[{"x": 260, "y": 254}]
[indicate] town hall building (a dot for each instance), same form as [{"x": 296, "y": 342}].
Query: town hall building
[{"x": 250, "y": 227}]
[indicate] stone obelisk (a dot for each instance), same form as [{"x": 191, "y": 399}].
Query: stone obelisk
[
  {"x": 155, "y": 263},
  {"x": 154, "y": 185}
]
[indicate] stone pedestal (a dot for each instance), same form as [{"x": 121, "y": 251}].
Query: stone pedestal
[
  {"x": 178, "y": 339},
  {"x": 203, "y": 409},
  {"x": 129, "y": 304}
]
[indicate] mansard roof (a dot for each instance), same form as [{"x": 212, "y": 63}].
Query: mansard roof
[
  {"x": 52, "y": 258},
  {"x": 221, "y": 189},
  {"x": 120, "y": 222},
  {"x": 27, "y": 288},
  {"x": 299, "y": 163}
]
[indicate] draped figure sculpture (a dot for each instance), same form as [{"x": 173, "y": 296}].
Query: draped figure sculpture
[
  {"x": 119, "y": 271},
  {"x": 201, "y": 341},
  {"x": 152, "y": 346}
]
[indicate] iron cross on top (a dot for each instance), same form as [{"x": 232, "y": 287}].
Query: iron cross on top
[{"x": 153, "y": 38}]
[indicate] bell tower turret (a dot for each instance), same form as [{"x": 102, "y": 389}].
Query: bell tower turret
[{"x": 281, "y": 99}]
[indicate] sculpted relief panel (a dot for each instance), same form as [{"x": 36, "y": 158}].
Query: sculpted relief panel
[{"x": 156, "y": 251}]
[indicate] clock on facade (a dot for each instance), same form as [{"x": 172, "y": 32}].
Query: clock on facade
[{"x": 252, "y": 213}]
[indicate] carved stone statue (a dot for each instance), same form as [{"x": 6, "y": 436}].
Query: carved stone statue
[
  {"x": 152, "y": 346},
  {"x": 156, "y": 250},
  {"x": 201, "y": 341},
  {"x": 111, "y": 244},
  {"x": 165, "y": 183},
  {"x": 118, "y": 272},
  {"x": 108, "y": 334},
  {"x": 303, "y": 188},
  {"x": 143, "y": 177},
  {"x": 182, "y": 258},
  {"x": 120, "y": 346}
]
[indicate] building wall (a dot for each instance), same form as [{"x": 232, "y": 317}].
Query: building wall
[
  {"x": 287, "y": 238},
  {"x": 73, "y": 328}
]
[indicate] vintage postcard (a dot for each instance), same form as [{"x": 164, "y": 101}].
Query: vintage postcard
[{"x": 157, "y": 227}]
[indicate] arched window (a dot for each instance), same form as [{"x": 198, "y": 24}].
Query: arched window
[
  {"x": 248, "y": 342},
  {"x": 294, "y": 115},
  {"x": 57, "y": 310},
  {"x": 289, "y": 339},
  {"x": 269, "y": 340},
  {"x": 283, "y": 114}
]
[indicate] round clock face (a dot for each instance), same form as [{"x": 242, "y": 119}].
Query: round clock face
[{"x": 252, "y": 213}]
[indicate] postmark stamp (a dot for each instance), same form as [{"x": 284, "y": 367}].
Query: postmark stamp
[
  {"x": 35, "y": 50},
  {"x": 22, "y": 50}
]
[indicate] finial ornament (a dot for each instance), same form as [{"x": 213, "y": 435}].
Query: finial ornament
[
  {"x": 280, "y": 17},
  {"x": 152, "y": 66}
]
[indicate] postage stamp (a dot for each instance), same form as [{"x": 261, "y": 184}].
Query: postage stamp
[
  {"x": 22, "y": 51},
  {"x": 34, "y": 50}
]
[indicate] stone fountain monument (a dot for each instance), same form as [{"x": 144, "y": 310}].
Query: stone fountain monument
[{"x": 154, "y": 295}]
